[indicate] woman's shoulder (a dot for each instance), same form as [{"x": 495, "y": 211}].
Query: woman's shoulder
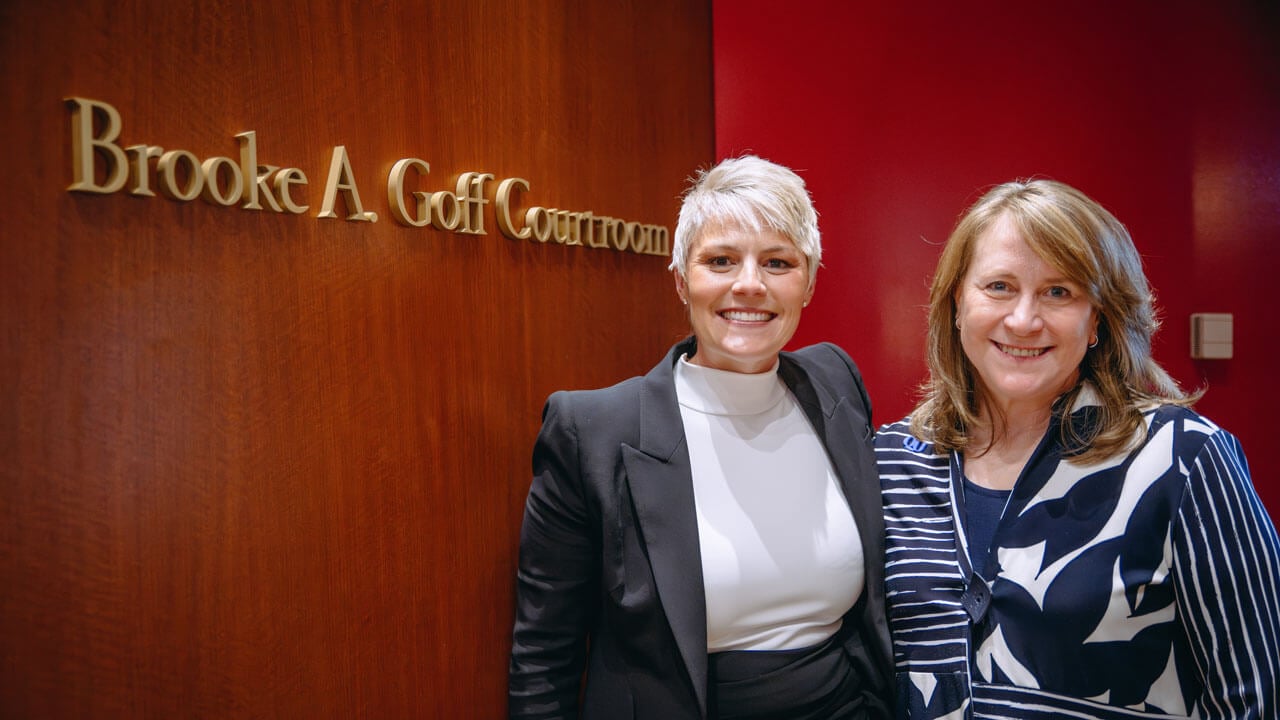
[
  {"x": 1192, "y": 433},
  {"x": 1171, "y": 411},
  {"x": 622, "y": 394},
  {"x": 827, "y": 362},
  {"x": 599, "y": 418},
  {"x": 598, "y": 400},
  {"x": 898, "y": 436},
  {"x": 1185, "y": 423},
  {"x": 900, "y": 428},
  {"x": 824, "y": 352}
]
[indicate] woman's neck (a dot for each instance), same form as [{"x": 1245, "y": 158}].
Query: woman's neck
[{"x": 1002, "y": 444}]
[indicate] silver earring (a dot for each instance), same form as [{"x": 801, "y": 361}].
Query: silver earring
[{"x": 1094, "y": 344}]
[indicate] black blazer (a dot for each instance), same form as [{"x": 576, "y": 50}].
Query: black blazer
[{"x": 610, "y": 577}]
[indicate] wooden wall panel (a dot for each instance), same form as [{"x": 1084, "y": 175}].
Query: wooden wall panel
[{"x": 259, "y": 464}]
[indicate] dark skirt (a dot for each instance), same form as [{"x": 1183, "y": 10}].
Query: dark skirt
[{"x": 815, "y": 683}]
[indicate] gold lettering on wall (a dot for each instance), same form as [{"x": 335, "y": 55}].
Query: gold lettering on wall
[
  {"x": 285, "y": 179},
  {"x": 502, "y": 204},
  {"x": 99, "y": 165},
  {"x": 421, "y": 214},
  {"x": 340, "y": 180},
  {"x": 470, "y": 195},
  {"x": 575, "y": 228},
  {"x": 257, "y": 177},
  {"x": 86, "y": 142}
]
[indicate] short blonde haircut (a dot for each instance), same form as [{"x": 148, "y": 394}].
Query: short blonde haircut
[
  {"x": 1079, "y": 238},
  {"x": 750, "y": 193}
]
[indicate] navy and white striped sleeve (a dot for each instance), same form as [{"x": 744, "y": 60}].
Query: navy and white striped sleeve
[{"x": 1226, "y": 557}]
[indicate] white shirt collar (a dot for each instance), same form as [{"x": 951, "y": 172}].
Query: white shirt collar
[{"x": 723, "y": 392}]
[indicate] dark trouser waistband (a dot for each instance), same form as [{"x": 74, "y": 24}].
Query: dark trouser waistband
[{"x": 815, "y": 683}]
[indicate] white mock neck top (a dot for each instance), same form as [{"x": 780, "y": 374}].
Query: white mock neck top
[{"x": 781, "y": 557}]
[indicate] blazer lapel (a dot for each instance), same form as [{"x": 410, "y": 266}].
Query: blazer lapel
[{"x": 661, "y": 485}]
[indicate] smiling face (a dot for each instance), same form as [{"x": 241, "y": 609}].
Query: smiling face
[
  {"x": 1024, "y": 325},
  {"x": 745, "y": 291}
]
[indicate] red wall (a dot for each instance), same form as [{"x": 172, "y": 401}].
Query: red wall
[{"x": 898, "y": 117}]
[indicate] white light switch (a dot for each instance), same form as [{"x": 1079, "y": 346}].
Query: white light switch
[{"x": 1211, "y": 336}]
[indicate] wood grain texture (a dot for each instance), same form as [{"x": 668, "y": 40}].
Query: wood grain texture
[{"x": 263, "y": 465}]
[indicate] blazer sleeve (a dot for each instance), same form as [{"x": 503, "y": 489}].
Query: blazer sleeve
[
  {"x": 556, "y": 578},
  {"x": 1227, "y": 560}
]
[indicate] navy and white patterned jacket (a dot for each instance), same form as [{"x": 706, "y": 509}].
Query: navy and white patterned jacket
[{"x": 1145, "y": 586}]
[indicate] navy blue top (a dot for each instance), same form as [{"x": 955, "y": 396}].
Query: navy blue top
[{"x": 982, "y": 510}]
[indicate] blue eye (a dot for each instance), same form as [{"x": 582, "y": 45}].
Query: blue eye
[{"x": 1060, "y": 292}]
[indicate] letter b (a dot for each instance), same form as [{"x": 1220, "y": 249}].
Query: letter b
[{"x": 84, "y": 144}]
